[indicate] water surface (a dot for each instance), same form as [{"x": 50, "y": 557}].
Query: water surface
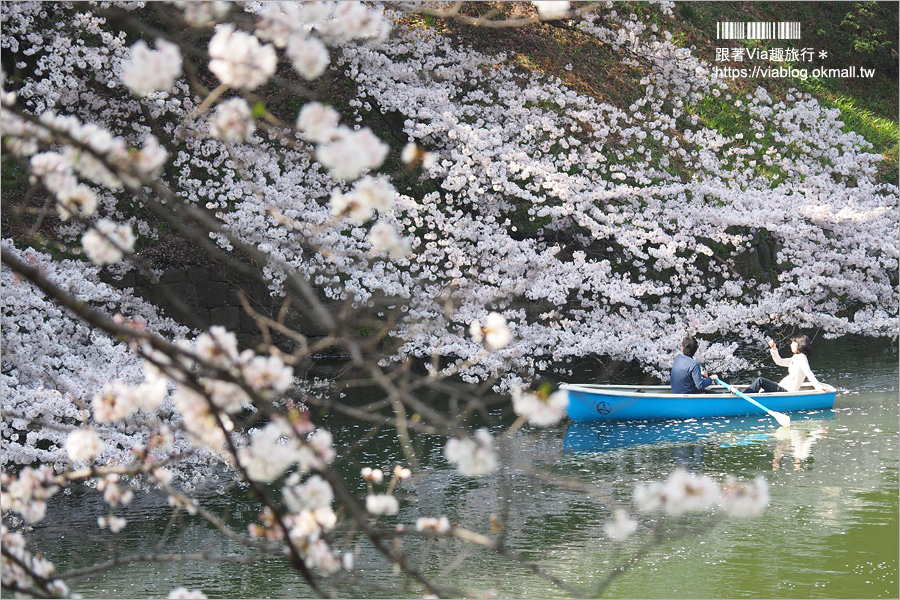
[{"x": 831, "y": 530}]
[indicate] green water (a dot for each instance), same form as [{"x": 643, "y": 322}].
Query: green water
[{"x": 831, "y": 530}]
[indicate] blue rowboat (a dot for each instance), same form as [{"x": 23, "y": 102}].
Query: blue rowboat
[{"x": 592, "y": 402}]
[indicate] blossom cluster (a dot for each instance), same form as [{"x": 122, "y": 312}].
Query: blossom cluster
[
  {"x": 551, "y": 10},
  {"x": 473, "y": 456},
  {"x": 540, "y": 409},
  {"x": 495, "y": 332},
  {"x": 12, "y": 572},
  {"x": 83, "y": 444},
  {"x": 386, "y": 503},
  {"x": 683, "y": 492},
  {"x": 27, "y": 493},
  {"x": 152, "y": 70},
  {"x": 107, "y": 242},
  {"x": 136, "y": 414},
  {"x": 88, "y": 153},
  {"x": 239, "y": 60},
  {"x": 310, "y": 517},
  {"x": 278, "y": 446},
  {"x": 55, "y": 365},
  {"x": 232, "y": 121},
  {"x": 204, "y": 403},
  {"x": 182, "y": 593},
  {"x": 647, "y": 227}
]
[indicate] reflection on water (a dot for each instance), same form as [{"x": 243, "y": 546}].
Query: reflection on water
[
  {"x": 791, "y": 445},
  {"x": 796, "y": 443},
  {"x": 598, "y": 436},
  {"x": 830, "y": 530}
]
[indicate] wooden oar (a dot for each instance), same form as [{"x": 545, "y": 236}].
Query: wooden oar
[{"x": 783, "y": 419}]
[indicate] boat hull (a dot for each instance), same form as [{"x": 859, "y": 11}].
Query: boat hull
[{"x": 619, "y": 403}]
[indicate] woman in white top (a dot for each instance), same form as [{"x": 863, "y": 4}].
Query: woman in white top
[{"x": 797, "y": 366}]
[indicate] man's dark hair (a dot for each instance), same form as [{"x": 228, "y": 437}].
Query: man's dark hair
[{"x": 689, "y": 345}]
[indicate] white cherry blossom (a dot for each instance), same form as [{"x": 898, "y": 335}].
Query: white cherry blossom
[
  {"x": 318, "y": 122},
  {"x": 473, "y": 456},
  {"x": 116, "y": 401},
  {"x": 745, "y": 500},
  {"x": 28, "y": 492},
  {"x": 14, "y": 544},
  {"x": 382, "y": 504},
  {"x": 218, "y": 347},
  {"x": 233, "y": 121},
  {"x": 152, "y": 70},
  {"x": 320, "y": 555},
  {"x": 83, "y": 444},
  {"x": 107, "y": 242},
  {"x": 682, "y": 492},
  {"x": 313, "y": 494},
  {"x": 437, "y": 525},
  {"x": 372, "y": 475},
  {"x": 239, "y": 60},
  {"x": 351, "y": 152},
  {"x": 495, "y": 332},
  {"x": 540, "y": 411},
  {"x": 200, "y": 13},
  {"x": 268, "y": 375},
  {"x": 552, "y": 9},
  {"x": 308, "y": 55},
  {"x": 115, "y": 524},
  {"x": 621, "y": 527},
  {"x": 183, "y": 593},
  {"x": 385, "y": 239},
  {"x": 78, "y": 200}
]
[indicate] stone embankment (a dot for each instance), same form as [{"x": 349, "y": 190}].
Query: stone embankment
[{"x": 201, "y": 297}]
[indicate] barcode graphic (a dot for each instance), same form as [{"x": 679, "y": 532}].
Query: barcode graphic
[{"x": 758, "y": 30}]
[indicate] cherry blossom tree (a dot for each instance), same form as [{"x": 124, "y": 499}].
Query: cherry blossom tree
[{"x": 503, "y": 226}]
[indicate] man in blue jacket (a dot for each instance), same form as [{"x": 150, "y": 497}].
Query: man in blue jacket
[{"x": 687, "y": 375}]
